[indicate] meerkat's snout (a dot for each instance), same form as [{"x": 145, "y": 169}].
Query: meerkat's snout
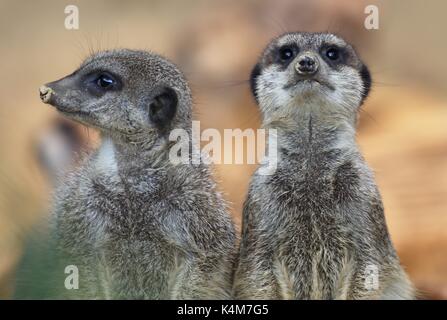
[
  {"x": 307, "y": 64},
  {"x": 45, "y": 93}
]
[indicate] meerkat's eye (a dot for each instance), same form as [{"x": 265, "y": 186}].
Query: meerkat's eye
[
  {"x": 333, "y": 53},
  {"x": 100, "y": 82},
  {"x": 286, "y": 53},
  {"x": 105, "y": 81}
]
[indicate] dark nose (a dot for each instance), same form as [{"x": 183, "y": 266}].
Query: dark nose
[{"x": 306, "y": 64}]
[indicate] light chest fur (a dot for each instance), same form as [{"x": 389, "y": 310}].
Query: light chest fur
[
  {"x": 312, "y": 235},
  {"x": 316, "y": 225}
]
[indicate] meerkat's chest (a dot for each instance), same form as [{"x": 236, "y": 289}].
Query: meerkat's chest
[
  {"x": 120, "y": 238},
  {"x": 313, "y": 257},
  {"x": 313, "y": 245}
]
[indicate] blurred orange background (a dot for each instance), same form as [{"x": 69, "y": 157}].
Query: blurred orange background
[{"x": 402, "y": 129}]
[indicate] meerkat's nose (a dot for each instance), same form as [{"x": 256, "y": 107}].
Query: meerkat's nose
[
  {"x": 306, "y": 64},
  {"x": 45, "y": 93}
]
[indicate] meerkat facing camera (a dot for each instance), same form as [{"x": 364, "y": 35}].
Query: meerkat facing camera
[
  {"x": 315, "y": 228},
  {"x": 134, "y": 223}
]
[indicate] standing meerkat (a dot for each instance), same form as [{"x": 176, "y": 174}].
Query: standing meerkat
[
  {"x": 134, "y": 223},
  {"x": 315, "y": 228}
]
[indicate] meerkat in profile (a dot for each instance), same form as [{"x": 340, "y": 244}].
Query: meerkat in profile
[
  {"x": 135, "y": 224},
  {"x": 315, "y": 228}
]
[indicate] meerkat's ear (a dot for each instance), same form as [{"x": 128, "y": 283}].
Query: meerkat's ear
[
  {"x": 366, "y": 79},
  {"x": 253, "y": 80},
  {"x": 163, "y": 107}
]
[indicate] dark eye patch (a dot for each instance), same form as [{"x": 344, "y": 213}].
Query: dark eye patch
[
  {"x": 105, "y": 82},
  {"x": 99, "y": 82},
  {"x": 333, "y": 55},
  {"x": 285, "y": 54}
]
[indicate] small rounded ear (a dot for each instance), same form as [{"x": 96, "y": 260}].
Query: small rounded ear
[
  {"x": 253, "y": 80},
  {"x": 163, "y": 107},
  {"x": 366, "y": 78}
]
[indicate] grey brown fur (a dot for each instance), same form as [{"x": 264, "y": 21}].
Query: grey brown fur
[
  {"x": 315, "y": 228},
  {"x": 135, "y": 224}
]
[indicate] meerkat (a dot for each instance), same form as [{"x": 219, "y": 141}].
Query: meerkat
[
  {"x": 315, "y": 227},
  {"x": 135, "y": 224}
]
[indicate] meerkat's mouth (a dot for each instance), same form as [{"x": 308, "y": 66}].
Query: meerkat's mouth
[
  {"x": 81, "y": 117},
  {"x": 310, "y": 83},
  {"x": 72, "y": 113}
]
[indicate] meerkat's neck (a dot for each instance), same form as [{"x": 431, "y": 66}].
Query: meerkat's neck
[
  {"x": 315, "y": 130},
  {"x": 105, "y": 160},
  {"x": 117, "y": 157}
]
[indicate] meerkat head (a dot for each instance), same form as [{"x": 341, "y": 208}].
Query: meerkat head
[
  {"x": 134, "y": 95},
  {"x": 309, "y": 70}
]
